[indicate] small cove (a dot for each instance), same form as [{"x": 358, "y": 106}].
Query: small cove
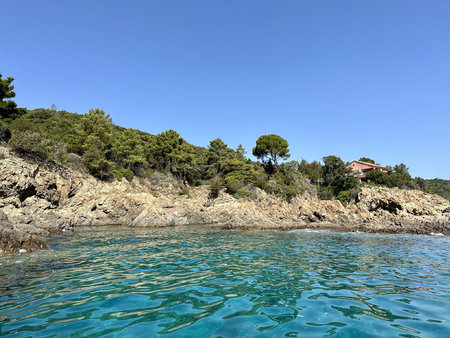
[{"x": 201, "y": 281}]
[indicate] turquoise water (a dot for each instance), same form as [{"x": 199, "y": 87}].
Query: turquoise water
[{"x": 202, "y": 282}]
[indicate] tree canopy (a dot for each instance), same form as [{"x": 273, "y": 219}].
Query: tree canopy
[
  {"x": 337, "y": 179},
  {"x": 96, "y": 136},
  {"x": 8, "y": 108},
  {"x": 271, "y": 148},
  {"x": 367, "y": 159}
]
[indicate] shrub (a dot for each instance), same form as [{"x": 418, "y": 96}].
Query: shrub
[
  {"x": 184, "y": 191},
  {"x": 159, "y": 180},
  {"x": 287, "y": 183},
  {"x": 215, "y": 184},
  {"x": 5, "y": 134},
  {"x": 344, "y": 197},
  {"x": 244, "y": 193},
  {"x": 75, "y": 162},
  {"x": 121, "y": 173},
  {"x": 27, "y": 137},
  {"x": 378, "y": 177},
  {"x": 31, "y": 142},
  {"x": 325, "y": 193},
  {"x": 59, "y": 153},
  {"x": 233, "y": 184}
]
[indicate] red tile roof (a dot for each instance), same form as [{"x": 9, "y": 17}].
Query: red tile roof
[{"x": 377, "y": 166}]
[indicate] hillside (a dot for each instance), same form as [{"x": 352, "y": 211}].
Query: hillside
[
  {"x": 92, "y": 143},
  {"x": 40, "y": 198},
  {"x": 439, "y": 186}
]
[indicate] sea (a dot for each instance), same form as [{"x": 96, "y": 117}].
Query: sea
[{"x": 199, "y": 281}]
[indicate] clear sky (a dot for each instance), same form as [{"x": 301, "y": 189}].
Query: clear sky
[{"x": 348, "y": 78}]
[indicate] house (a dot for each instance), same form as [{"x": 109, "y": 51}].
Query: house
[{"x": 361, "y": 168}]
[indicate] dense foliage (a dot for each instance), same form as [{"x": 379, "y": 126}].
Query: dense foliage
[
  {"x": 91, "y": 142},
  {"x": 439, "y": 186},
  {"x": 337, "y": 179},
  {"x": 270, "y": 149},
  {"x": 398, "y": 177},
  {"x": 8, "y": 107},
  {"x": 367, "y": 159}
]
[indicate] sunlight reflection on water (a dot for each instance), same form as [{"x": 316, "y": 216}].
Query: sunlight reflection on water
[{"x": 188, "y": 281}]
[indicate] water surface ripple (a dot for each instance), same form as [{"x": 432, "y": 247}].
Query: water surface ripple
[{"x": 199, "y": 281}]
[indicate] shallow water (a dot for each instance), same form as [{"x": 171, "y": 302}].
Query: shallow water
[{"x": 199, "y": 281}]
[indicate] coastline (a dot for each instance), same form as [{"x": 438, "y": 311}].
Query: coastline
[{"x": 39, "y": 198}]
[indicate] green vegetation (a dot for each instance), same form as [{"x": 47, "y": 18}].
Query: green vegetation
[
  {"x": 439, "y": 187},
  {"x": 270, "y": 149},
  {"x": 8, "y": 108},
  {"x": 366, "y": 159},
  {"x": 397, "y": 177},
  {"x": 337, "y": 180},
  {"x": 92, "y": 143}
]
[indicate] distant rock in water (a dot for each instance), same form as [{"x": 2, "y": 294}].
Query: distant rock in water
[{"x": 39, "y": 198}]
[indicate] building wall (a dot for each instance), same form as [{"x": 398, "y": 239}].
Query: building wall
[{"x": 355, "y": 166}]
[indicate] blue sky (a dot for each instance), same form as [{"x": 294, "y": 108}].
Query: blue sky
[{"x": 349, "y": 78}]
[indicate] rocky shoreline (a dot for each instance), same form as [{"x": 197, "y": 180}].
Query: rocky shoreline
[{"x": 38, "y": 198}]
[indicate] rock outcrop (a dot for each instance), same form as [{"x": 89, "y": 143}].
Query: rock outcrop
[
  {"x": 38, "y": 198},
  {"x": 12, "y": 241}
]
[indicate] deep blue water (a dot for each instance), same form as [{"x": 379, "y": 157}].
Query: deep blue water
[{"x": 203, "y": 282}]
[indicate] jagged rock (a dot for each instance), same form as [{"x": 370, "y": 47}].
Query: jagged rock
[
  {"x": 13, "y": 241},
  {"x": 6, "y": 227}
]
